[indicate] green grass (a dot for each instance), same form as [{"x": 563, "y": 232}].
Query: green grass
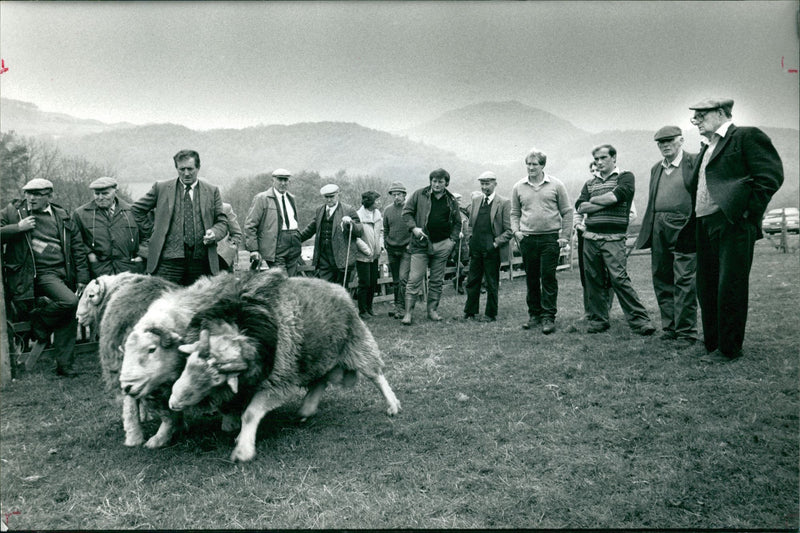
[{"x": 500, "y": 428}]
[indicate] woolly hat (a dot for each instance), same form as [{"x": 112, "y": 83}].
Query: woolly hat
[{"x": 397, "y": 187}]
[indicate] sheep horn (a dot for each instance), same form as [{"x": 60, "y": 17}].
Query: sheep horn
[{"x": 168, "y": 338}]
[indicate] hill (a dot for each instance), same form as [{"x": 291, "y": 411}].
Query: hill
[{"x": 27, "y": 119}]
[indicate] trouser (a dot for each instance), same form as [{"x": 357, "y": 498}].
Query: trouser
[
  {"x": 327, "y": 269},
  {"x": 433, "y": 257},
  {"x": 56, "y": 314},
  {"x": 399, "y": 265},
  {"x": 287, "y": 251},
  {"x": 367, "y": 284},
  {"x": 597, "y": 256},
  {"x": 184, "y": 270},
  {"x": 673, "y": 277},
  {"x": 724, "y": 258},
  {"x": 483, "y": 265},
  {"x": 581, "y": 270},
  {"x": 540, "y": 259}
]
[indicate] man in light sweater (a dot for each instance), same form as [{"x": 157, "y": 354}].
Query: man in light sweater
[{"x": 541, "y": 219}]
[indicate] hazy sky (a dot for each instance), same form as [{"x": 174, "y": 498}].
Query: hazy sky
[{"x": 390, "y": 65}]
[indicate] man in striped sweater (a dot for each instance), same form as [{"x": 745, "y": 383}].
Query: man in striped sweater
[{"x": 605, "y": 200}]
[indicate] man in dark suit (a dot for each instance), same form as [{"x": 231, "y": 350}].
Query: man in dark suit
[
  {"x": 490, "y": 220},
  {"x": 669, "y": 208},
  {"x": 334, "y": 222},
  {"x": 188, "y": 220},
  {"x": 737, "y": 172}
]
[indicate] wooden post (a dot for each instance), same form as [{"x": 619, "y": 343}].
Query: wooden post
[
  {"x": 5, "y": 354},
  {"x": 784, "y": 244}
]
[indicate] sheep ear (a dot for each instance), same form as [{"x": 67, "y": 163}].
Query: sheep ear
[
  {"x": 232, "y": 366},
  {"x": 186, "y": 348},
  {"x": 233, "y": 383}
]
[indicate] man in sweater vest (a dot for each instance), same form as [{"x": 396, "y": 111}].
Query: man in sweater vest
[
  {"x": 490, "y": 220},
  {"x": 541, "y": 218},
  {"x": 45, "y": 263},
  {"x": 605, "y": 200},
  {"x": 668, "y": 210}
]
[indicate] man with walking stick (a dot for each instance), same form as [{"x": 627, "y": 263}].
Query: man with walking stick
[
  {"x": 490, "y": 220},
  {"x": 335, "y": 224}
]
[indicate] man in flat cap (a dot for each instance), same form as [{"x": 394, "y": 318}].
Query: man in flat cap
[
  {"x": 369, "y": 247},
  {"x": 737, "y": 172},
  {"x": 336, "y": 226},
  {"x": 433, "y": 217},
  {"x": 490, "y": 220},
  {"x": 187, "y": 222},
  {"x": 606, "y": 200},
  {"x": 541, "y": 219},
  {"x": 669, "y": 208},
  {"x": 271, "y": 227},
  {"x": 109, "y": 231},
  {"x": 396, "y": 239},
  {"x": 45, "y": 267}
]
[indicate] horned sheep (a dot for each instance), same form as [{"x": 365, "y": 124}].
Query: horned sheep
[{"x": 283, "y": 335}]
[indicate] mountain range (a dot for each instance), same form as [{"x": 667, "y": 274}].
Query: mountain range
[{"x": 466, "y": 141}]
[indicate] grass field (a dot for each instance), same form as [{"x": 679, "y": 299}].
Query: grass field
[{"x": 500, "y": 428}]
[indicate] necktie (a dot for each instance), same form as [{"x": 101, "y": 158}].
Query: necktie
[
  {"x": 485, "y": 200},
  {"x": 285, "y": 212},
  {"x": 188, "y": 218}
]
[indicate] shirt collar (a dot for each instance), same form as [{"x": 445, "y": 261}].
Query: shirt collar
[
  {"x": 675, "y": 162},
  {"x": 331, "y": 209},
  {"x": 545, "y": 179},
  {"x": 615, "y": 171},
  {"x": 193, "y": 186},
  {"x": 490, "y": 197},
  {"x": 722, "y": 131}
]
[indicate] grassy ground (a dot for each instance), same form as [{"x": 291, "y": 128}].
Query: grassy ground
[{"x": 500, "y": 428}]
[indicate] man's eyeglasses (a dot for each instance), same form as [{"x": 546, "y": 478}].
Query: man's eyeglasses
[
  {"x": 700, "y": 116},
  {"x": 329, "y": 196}
]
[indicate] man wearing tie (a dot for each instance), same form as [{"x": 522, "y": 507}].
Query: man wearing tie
[
  {"x": 490, "y": 221},
  {"x": 541, "y": 219},
  {"x": 271, "y": 230},
  {"x": 737, "y": 172},
  {"x": 188, "y": 220}
]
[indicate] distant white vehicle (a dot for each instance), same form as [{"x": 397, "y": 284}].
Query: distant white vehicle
[{"x": 772, "y": 220}]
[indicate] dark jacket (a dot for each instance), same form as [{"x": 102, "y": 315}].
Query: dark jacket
[
  {"x": 160, "y": 200},
  {"x": 338, "y": 238},
  {"x": 18, "y": 261},
  {"x": 417, "y": 210},
  {"x": 742, "y": 174},
  {"x": 114, "y": 241},
  {"x": 645, "y": 238}
]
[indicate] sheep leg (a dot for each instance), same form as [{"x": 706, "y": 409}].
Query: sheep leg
[
  {"x": 164, "y": 433},
  {"x": 263, "y": 402},
  {"x": 380, "y": 381},
  {"x": 130, "y": 421},
  {"x": 311, "y": 401}
]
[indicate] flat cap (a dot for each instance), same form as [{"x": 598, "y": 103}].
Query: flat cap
[
  {"x": 713, "y": 103},
  {"x": 37, "y": 185},
  {"x": 329, "y": 189},
  {"x": 396, "y": 186},
  {"x": 103, "y": 183},
  {"x": 487, "y": 176},
  {"x": 281, "y": 173},
  {"x": 667, "y": 132}
]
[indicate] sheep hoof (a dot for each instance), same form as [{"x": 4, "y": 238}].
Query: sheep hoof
[
  {"x": 155, "y": 442},
  {"x": 243, "y": 454},
  {"x": 134, "y": 440},
  {"x": 394, "y": 409}
]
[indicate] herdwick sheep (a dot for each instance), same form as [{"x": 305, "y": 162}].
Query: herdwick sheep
[
  {"x": 283, "y": 335},
  {"x": 123, "y": 308},
  {"x": 151, "y": 362},
  {"x": 93, "y": 301}
]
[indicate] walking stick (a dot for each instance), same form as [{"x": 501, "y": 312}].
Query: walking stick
[
  {"x": 458, "y": 261},
  {"x": 347, "y": 257}
]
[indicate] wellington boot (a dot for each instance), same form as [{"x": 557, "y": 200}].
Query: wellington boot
[
  {"x": 411, "y": 301},
  {"x": 432, "y": 314}
]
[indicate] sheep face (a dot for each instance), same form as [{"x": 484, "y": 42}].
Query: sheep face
[
  {"x": 91, "y": 298},
  {"x": 151, "y": 359},
  {"x": 213, "y": 360}
]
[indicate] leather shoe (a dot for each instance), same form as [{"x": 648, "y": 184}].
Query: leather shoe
[
  {"x": 718, "y": 357},
  {"x": 484, "y": 318},
  {"x": 683, "y": 343},
  {"x": 598, "y": 328},
  {"x": 644, "y": 331},
  {"x": 532, "y": 322},
  {"x": 668, "y": 336},
  {"x": 64, "y": 373},
  {"x": 468, "y": 316},
  {"x": 548, "y": 326}
]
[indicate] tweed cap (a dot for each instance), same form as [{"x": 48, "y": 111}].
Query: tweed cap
[
  {"x": 103, "y": 183},
  {"x": 38, "y": 184},
  {"x": 487, "y": 176},
  {"x": 713, "y": 103},
  {"x": 396, "y": 186},
  {"x": 281, "y": 173},
  {"x": 329, "y": 189},
  {"x": 667, "y": 132}
]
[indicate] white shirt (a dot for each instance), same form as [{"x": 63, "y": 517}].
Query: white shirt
[
  {"x": 670, "y": 166},
  {"x": 292, "y": 222},
  {"x": 705, "y": 204},
  {"x": 330, "y": 210}
]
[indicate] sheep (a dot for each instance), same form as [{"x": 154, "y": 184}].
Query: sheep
[
  {"x": 94, "y": 299},
  {"x": 123, "y": 308},
  {"x": 283, "y": 335},
  {"x": 151, "y": 362}
]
